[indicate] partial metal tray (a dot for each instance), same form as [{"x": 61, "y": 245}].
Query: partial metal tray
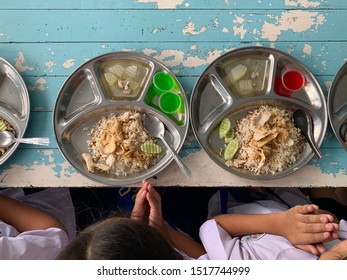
[
  {"x": 84, "y": 99},
  {"x": 337, "y": 105},
  {"x": 214, "y": 98},
  {"x": 14, "y": 102}
]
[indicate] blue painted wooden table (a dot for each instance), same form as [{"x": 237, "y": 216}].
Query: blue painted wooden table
[{"x": 47, "y": 40}]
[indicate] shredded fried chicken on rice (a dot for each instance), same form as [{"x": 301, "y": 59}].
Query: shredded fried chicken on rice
[
  {"x": 115, "y": 145},
  {"x": 268, "y": 141}
]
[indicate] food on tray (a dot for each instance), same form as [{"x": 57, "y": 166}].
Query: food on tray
[
  {"x": 5, "y": 126},
  {"x": 247, "y": 77},
  {"x": 231, "y": 149},
  {"x": 237, "y": 73},
  {"x": 151, "y": 148},
  {"x": 224, "y": 127},
  {"x": 123, "y": 79},
  {"x": 246, "y": 86},
  {"x": 121, "y": 145},
  {"x": 266, "y": 141},
  {"x": 227, "y": 132}
]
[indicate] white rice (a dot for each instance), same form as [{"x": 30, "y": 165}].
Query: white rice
[{"x": 278, "y": 156}]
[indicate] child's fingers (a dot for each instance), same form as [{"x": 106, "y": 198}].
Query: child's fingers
[
  {"x": 306, "y": 209},
  {"x": 317, "y": 218},
  {"x": 141, "y": 206},
  {"x": 319, "y": 237},
  {"x": 155, "y": 214},
  {"x": 154, "y": 198},
  {"x": 309, "y": 219},
  {"x": 334, "y": 235},
  {"x": 140, "y": 196},
  {"x": 319, "y": 227},
  {"x": 316, "y": 249},
  {"x": 326, "y": 218},
  {"x": 314, "y": 209},
  {"x": 154, "y": 192},
  {"x": 145, "y": 184},
  {"x": 320, "y": 247}
]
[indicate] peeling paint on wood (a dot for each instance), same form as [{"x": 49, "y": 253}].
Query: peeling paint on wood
[
  {"x": 69, "y": 63},
  {"x": 186, "y": 36},
  {"x": 164, "y": 4},
  {"x": 302, "y": 3},
  {"x": 19, "y": 65}
]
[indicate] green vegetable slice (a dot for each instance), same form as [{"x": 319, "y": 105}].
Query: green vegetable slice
[
  {"x": 231, "y": 149},
  {"x": 230, "y": 135},
  {"x": 150, "y": 148},
  {"x": 224, "y": 127},
  {"x": 3, "y": 126}
]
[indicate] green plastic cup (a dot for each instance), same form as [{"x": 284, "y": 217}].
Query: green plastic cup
[
  {"x": 169, "y": 102},
  {"x": 163, "y": 82}
]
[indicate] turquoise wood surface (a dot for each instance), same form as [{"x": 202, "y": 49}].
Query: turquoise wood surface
[
  {"x": 170, "y": 25},
  {"x": 47, "y": 40},
  {"x": 169, "y": 4}
]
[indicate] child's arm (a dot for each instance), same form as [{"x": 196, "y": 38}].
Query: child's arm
[
  {"x": 184, "y": 243},
  {"x": 300, "y": 224},
  {"x": 25, "y": 217},
  {"x": 180, "y": 241}
]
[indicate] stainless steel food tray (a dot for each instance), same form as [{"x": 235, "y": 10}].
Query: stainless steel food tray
[
  {"x": 337, "y": 105},
  {"x": 213, "y": 98},
  {"x": 14, "y": 102},
  {"x": 84, "y": 99}
]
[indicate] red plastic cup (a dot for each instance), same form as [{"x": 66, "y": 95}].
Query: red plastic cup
[{"x": 291, "y": 80}]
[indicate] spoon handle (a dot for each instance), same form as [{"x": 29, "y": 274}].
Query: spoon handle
[
  {"x": 314, "y": 148},
  {"x": 178, "y": 160},
  {"x": 35, "y": 141}
]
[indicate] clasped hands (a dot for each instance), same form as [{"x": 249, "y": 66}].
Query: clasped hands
[{"x": 305, "y": 226}]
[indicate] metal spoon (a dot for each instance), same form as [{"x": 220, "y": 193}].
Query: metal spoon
[
  {"x": 7, "y": 138},
  {"x": 303, "y": 120},
  {"x": 156, "y": 128}
]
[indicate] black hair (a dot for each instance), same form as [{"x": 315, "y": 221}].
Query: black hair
[{"x": 119, "y": 239}]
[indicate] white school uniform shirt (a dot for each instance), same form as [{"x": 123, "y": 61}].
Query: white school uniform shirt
[
  {"x": 39, "y": 244},
  {"x": 219, "y": 245}
]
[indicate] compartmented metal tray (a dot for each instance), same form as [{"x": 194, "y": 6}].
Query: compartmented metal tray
[
  {"x": 86, "y": 96},
  {"x": 14, "y": 103},
  {"x": 215, "y": 97},
  {"x": 337, "y": 106}
]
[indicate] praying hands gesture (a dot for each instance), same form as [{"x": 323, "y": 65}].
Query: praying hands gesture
[
  {"x": 148, "y": 209},
  {"x": 148, "y": 206}
]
